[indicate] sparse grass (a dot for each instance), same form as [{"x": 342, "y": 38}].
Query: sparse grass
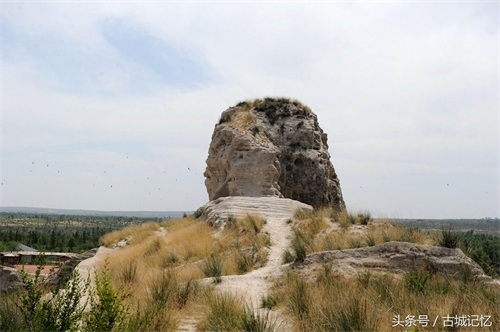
[
  {"x": 373, "y": 234},
  {"x": 288, "y": 256},
  {"x": 299, "y": 246},
  {"x": 317, "y": 231},
  {"x": 243, "y": 246},
  {"x": 331, "y": 302},
  {"x": 212, "y": 267},
  {"x": 225, "y": 312},
  {"x": 257, "y": 320},
  {"x": 268, "y": 302}
]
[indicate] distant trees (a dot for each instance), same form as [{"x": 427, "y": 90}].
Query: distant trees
[
  {"x": 52, "y": 240},
  {"x": 61, "y": 233},
  {"x": 484, "y": 249}
]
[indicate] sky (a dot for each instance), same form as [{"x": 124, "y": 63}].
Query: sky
[{"x": 110, "y": 105}]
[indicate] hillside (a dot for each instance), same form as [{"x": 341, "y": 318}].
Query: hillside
[{"x": 268, "y": 266}]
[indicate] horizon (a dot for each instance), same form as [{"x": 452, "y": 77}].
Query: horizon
[
  {"x": 57, "y": 211},
  {"x": 111, "y": 106}
]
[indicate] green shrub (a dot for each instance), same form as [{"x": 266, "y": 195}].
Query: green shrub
[
  {"x": 107, "y": 309},
  {"x": 10, "y": 316},
  {"x": 416, "y": 279},
  {"x": 448, "y": 239},
  {"x": 61, "y": 310}
]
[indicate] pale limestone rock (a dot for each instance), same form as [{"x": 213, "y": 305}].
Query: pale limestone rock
[
  {"x": 272, "y": 147},
  {"x": 395, "y": 258},
  {"x": 219, "y": 210}
]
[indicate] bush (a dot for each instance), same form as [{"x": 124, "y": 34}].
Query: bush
[
  {"x": 107, "y": 309},
  {"x": 448, "y": 239},
  {"x": 38, "y": 308}
]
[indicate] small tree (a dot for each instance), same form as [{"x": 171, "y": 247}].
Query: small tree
[{"x": 107, "y": 308}]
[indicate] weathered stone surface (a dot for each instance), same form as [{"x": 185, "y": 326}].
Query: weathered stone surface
[
  {"x": 272, "y": 147},
  {"x": 66, "y": 269},
  {"x": 396, "y": 258},
  {"x": 220, "y": 209},
  {"x": 9, "y": 279}
]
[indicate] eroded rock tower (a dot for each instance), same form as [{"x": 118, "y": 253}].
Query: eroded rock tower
[{"x": 272, "y": 147}]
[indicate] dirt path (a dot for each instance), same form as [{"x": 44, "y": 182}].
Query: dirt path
[{"x": 253, "y": 286}]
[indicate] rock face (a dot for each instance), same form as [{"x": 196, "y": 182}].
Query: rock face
[
  {"x": 9, "y": 279},
  {"x": 396, "y": 258},
  {"x": 272, "y": 147},
  {"x": 219, "y": 210}
]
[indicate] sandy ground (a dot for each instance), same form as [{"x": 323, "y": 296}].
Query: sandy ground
[{"x": 31, "y": 269}]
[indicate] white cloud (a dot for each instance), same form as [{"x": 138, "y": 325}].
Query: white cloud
[{"x": 409, "y": 89}]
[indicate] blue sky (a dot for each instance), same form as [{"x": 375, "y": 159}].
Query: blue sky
[{"x": 120, "y": 99}]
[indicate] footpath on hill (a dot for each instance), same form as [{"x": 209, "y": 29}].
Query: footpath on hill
[{"x": 251, "y": 287}]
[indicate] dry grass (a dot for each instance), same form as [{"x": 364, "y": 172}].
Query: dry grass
[
  {"x": 243, "y": 246},
  {"x": 369, "y": 303},
  {"x": 243, "y": 120},
  {"x": 133, "y": 234},
  {"x": 364, "y": 236},
  {"x": 326, "y": 229},
  {"x": 225, "y": 312},
  {"x": 180, "y": 250}
]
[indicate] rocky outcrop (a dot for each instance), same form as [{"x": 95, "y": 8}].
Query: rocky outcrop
[
  {"x": 272, "y": 147},
  {"x": 219, "y": 210},
  {"x": 9, "y": 279},
  {"x": 67, "y": 268},
  {"x": 396, "y": 258}
]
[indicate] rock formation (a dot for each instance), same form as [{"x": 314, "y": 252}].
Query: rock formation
[
  {"x": 396, "y": 258},
  {"x": 272, "y": 147},
  {"x": 219, "y": 210},
  {"x": 9, "y": 279}
]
